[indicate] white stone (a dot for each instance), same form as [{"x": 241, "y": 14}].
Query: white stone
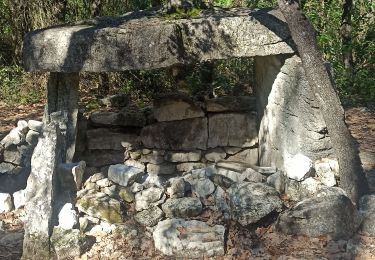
[
  {"x": 35, "y": 125},
  {"x": 234, "y": 176},
  {"x": 6, "y": 203},
  {"x": 135, "y": 163},
  {"x": 297, "y": 167},
  {"x": 326, "y": 170},
  {"x": 189, "y": 166},
  {"x": 193, "y": 156},
  {"x": 123, "y": 174},
  {"x": 104, "y": 183},
  {"x": 68, "y": 217},
  {"x": 19, "y": 199},
  {"x": 22, "y": 126},
  {"x": 149, "y": 198}
]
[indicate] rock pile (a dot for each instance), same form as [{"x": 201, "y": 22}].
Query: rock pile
[{"x": 16, "y": 149}]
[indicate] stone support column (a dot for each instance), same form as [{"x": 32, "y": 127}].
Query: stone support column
[
  {"x": 56, "y": 146},
  {"x": 290, "y": 120}
]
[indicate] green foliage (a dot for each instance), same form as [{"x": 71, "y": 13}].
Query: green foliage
[{"x": 17, "y": 87}]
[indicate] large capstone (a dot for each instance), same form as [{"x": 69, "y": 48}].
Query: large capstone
[
  {"x": 189, "y": 239},
  {"x": 250, "y": 202},
  {"x": 329, "y": 214}
]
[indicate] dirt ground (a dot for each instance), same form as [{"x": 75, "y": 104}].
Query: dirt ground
[{"x": 242, "y": 243}]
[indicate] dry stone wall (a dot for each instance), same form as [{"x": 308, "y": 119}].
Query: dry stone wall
[{"x": 176, "y": 136}]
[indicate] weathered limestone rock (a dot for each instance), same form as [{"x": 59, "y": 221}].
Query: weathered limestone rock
[
  {"x": 232, "y": 129},
  {"x": 18, "y": 155},
  {"x": 149, "y": 217},
  {"x": 136, "y": 164},
  {"x": 234, "y": 176},
  {"x": 290, "y": 119},
  {"x": 107, "y": 139},
  {"x": 302, "y": 190},
  {"x": 68, "y": 244},
  {"x": 15, "y": 137},
  {"x": 34, "y": 125},
  {"x": 9, "y": 168},
  {"x": 32, "y": 137},
  {"x": 279, "y": 181},
  {"x": 148, "y": 198},
  {"x": 189, "y": 134},
  {"x": 332, "y": 215},
  {"x": 68, "y": 217},
  {"x": 189, "y": 166},
  {"x": 155, "y": 157},
  {"x": 189, "y": 239},
  {"x": 249, "y": 156},
  {"x": 40, "y": 194},
  {"x": 101, "y": 206},
  {"x": 71, "y": 174},
  {"x": 298, "y": 167},
  {"x": 127, "y": 117},
  {"x": 192, "y": 156},
  {"x": 232, "y": 150},
  {"x": 326, "y": 170},
  {"x": 6, "y": 203},
  {"x": 176, "y": 106},
  {"x": 252, "y": 201},
  {"x": 367, "y": 210},
  {"x": 176, "y": 187},
  {"x": 123, "y": 174},
  {"x": 19, "y": 199},
  {"x": 221, "y": 201},
  {"x": 103, "y": 183},
  {"x": 98, "y": 46},
  {"x": 182, "y": 207},
  {"x": 253, "y": 176},
  {"x": 161, "y": 169},
  {"x": 215, "y": 155},
  {"x": 126, "y": 194},
  {"x": 231, "y": 104},
  {"x": 203, "y": 187}
]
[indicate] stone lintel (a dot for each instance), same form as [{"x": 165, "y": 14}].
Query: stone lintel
[{"x": 147, "y": 40}]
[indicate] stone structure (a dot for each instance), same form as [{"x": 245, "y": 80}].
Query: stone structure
[{"x": 233, "y": 155}]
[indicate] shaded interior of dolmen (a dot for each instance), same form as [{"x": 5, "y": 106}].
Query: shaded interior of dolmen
[{"x": 178, "y": 134}]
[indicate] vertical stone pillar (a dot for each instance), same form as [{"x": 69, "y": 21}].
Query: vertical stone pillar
[
  {"x": 290, "y": 120},
  {"x": 62, "y": 97},
  {"x": 55, "y": 146}
]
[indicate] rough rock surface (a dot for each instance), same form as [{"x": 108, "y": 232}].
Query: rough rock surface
[
  {"x": 120, "y": 119},
  {"x": 101, "y": 206},
  {"x": 232, "y": 129},
  {"x": 189, "y": 239},
  {"x": 175, "y": 107},
  {"x": 182, "y": 207},
  {"x": 149, "y": 198},
  {"x": 99, "y": 44},
  {"x": 252, "y": 201},
  {"x": 106, "y": 139},
  {"x": 149, "y": 217},
  {"x": 332, "y": 215},
  {"x": 189, "y": 134},
  {"x": 68, "y": 244},
  {"x": 123, "y": 174},
  {"x": 192, "y": 156},
  {"x": 6, "y": 203}
]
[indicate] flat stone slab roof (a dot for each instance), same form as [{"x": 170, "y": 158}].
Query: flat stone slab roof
[{"x": 148, "y": 40}]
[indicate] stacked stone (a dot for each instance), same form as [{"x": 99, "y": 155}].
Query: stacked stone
[{"x": 16, "y": 149}]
